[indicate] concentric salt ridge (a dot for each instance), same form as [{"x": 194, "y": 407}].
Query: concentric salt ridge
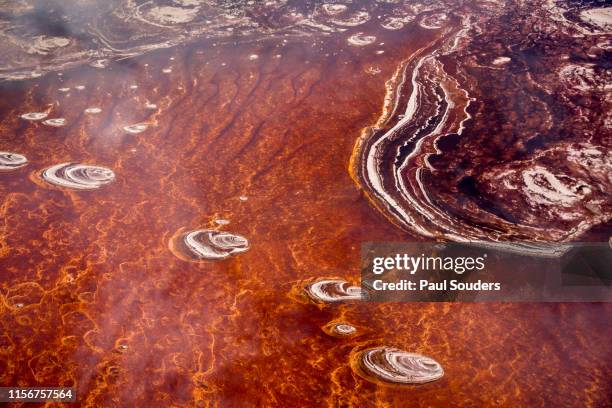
[
  {"x": 78, "y": 176},
  {"x": 11, "y": 161},
  {"x": 333, "y": 290},
  {"x": 394, "y": 366},
  {"x": 208, "y": 244}
]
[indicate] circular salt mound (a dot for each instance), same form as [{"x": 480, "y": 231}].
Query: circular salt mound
[
  {"x": 78, "y": 176},
  {"x": 34, "y": 115},
  {"x": 339, "y": 329},
  {"x": 211, "y": 244},
  {"x": 394, "y": 366},
  {"x": 137, "y": 128},
  {"x": 333, "y": 290},
  {"x": 360, "y": 40},
  {"x": 11, "y": 161},
  {"x": 55, "y": 122}
]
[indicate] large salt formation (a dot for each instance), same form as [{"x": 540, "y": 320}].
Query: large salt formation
[{"x": 488, "y": 134}]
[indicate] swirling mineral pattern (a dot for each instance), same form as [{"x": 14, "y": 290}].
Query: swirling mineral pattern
[
  {"x": 394, "y": 366},
  {"x": 11, "y": 161},
  {"x": 309, "y": 127},
  {"x": 78, "y": 176},
  {"x": 333, "y": 290},
  {"x": 450, "y": 159},
  {"x": 208, "y": 245}
]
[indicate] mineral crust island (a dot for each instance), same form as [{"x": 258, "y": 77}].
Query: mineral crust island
[{"x": 442, "y": 286}]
